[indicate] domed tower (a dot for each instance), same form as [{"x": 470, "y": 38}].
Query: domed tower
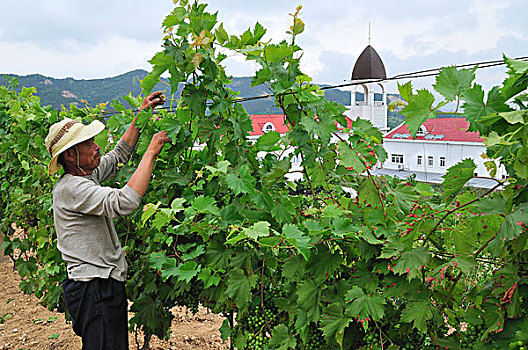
[{"x": 368, "y": 68}]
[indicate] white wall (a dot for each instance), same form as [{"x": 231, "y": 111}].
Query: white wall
[
  {"x": 374, "y": 111},
  {"x": 452, "y": 151}
]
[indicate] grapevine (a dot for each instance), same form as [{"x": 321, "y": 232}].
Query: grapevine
[{"x": 339, "y": 259}]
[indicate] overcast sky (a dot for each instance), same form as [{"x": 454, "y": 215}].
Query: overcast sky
[{"x": 101, "y": 38}]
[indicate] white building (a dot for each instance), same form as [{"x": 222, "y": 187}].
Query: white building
[
  {"x": 367, "y": 73},
  {"x": 439, "y": 144}
]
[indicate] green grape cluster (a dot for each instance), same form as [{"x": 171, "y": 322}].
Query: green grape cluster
[
  {"x": 191, "y": 297},
  {"x": 471, "y": 336},
  {"x": 255, "y": 326},
  {"x": 258, "y": 322},
  {"x": 255, "y": 341},
  {"x": 372, "y": 341},
  {"x": 518, "y": 345},
  {"x": 315, "y": 339},
  {"x": 414, "y": 341}
]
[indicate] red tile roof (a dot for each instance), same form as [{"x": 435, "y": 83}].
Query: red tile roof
[
  {"x": 278, "y": 120},
  {"x": 441, "y": 129},
  {"x": 259, "y": 120}
]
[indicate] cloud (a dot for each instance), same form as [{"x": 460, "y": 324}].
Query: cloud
[
  {"x": 513, "y": 17},
  {"x": 87, "y": 39},
  {"x": 111, "y": 56},
  {"x": 54, "y": 23},
  {"x": 336, "y": 68}
]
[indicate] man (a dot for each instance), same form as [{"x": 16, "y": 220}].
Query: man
[{"x": 83, "y": 211}]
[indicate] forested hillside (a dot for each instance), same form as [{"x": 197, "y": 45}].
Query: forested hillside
[{"x": 62, "y": 92}]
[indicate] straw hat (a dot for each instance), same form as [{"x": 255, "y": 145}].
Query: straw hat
[{"x": 68, "y": 133}]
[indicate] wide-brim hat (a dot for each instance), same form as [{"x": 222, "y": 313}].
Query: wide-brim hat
[{"x": 68, "y": 133}]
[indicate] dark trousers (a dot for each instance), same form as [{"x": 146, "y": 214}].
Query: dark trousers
[{"x": 98, "y": 309}]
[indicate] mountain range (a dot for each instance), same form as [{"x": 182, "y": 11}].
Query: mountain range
[{"x": 62, "y": 92}]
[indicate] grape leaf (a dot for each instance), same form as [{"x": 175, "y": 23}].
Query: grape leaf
[
  {"x": 309, "y": 299},
  {"x": 239, "y": 286},
  {"x": 26, "y": 267},
  {"x": 418, "y": 312},
  {"x": 466, "y": 263},
  {"x": 404, "y": 196},
  {"x": 475, "y": 107},
  {"x": 225, "y": 330},
  {"x": 162, "y": 218},
  {"x": 490, "y": 205},
  {"x": 275, "y": 53},
  {"x": 518, "y": 66},
  {"x": 365, "y": 306},
  {"x": 322, "y": 128},
  {"x": 515, "y": 117},
  {"x": 333, "y": 211},
  {"x": 259, "y": 229},
  {"x": 281, "y": 339},
  {"x": 284, "y": 211},
  {"x": 349, "y": 158},
  {"x": 208, "y": 278},
  {"x": 343, "y": 227},
  {"x": 405, "y": 91},
  {"x": 494, "y": 139},
  {"x": 452, "y": 82},
  {"x": 188, "y": 270},
  {"x": 157, "y": 259},
  {"x": 172, "y": 127},
  {"x": 177, "y": 205},
  {"x": 365, "y": 128},
  {"x": 241, "y": 182},
  {"x": 199, "y": 250},
  {"x": 176, "y": 16},
  {"x": 147, "y": 311},
  {"x": 513, "y": 225},
  {"x": 148, "y": 210},
  {"x": 259, "y": 31},
  {"x": 419, "y": 108},
  {"x": 298, "y": 239},
  {"x": 161, "y": 63},
  {"x": 204, "y": 204},
  {"x": 456, "y": 177},
  {"x": 170, "y": 268},
  {"x": 334, "y": 321},
  {"x": 268, "y": 142},
  {"x": 412, "y": 261}
]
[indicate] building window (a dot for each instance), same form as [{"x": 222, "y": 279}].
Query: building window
[
  {"x": 430, "y": 161},
  {"x": 442, "y": 161},
  {"x": 397, "y": 158},
  {"x": 268, "y": 127},
  {"x": 419, "y": 160},
  {"x": 422, "y": 131}
]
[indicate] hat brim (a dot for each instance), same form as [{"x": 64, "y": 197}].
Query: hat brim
[{"x": 87, "y": 132}]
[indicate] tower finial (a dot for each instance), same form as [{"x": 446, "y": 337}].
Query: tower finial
[{"x": 369, "y": 34}]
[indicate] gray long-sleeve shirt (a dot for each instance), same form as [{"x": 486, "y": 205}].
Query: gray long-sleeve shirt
[{"x": 83, "y": 211}]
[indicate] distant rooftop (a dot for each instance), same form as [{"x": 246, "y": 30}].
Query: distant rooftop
[
  {"x": 369, "y": 66},
  {"x": 441, "y": 129},
  {"x": 259, "y": 121}
]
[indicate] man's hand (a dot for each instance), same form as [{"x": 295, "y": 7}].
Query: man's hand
[
  {"x": 157, "y": 142},
  {"x": 141, "y": 177},
  {"x": 153, "y": 100}
]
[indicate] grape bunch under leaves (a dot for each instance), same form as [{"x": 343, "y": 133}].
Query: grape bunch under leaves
[
  {"x": 315, "y": 339},
  {"x": 471, "y": 336},
  {"x": 259, "y": 322}
]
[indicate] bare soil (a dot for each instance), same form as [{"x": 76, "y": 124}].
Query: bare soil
[{"x": 25, "y": 324}]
